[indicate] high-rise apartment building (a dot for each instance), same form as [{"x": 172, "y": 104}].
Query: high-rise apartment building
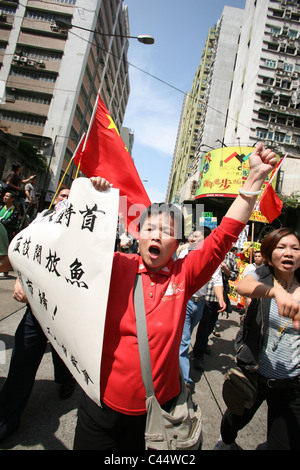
[
  {"x": 252, "y": 94},
  {"x": 189, "y": 123},
  {"x": 265, "y": 101},
  {"x": 55, "y": 56},
  {"x": 205, "y": 111}
]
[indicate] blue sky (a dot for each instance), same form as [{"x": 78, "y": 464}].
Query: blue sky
[{"x": 180, "y": 29}]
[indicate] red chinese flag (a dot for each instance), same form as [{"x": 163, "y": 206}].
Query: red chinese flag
[
  {"x": 105, "y": 155},
  {"x": 270, "y": 204}
]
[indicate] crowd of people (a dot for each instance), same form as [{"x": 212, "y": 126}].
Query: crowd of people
[
  {"x": 18, "y": 207},
  {"x": 180, "y": 293}
]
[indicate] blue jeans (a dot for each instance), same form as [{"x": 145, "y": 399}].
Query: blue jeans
[{"x": 194, "y": 311}]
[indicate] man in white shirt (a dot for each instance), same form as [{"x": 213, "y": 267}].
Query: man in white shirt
[
  {"x": 258, "y": 261},
  {"x": 195, "y": 307}
]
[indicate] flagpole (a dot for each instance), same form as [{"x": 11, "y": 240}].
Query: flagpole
[
  {"x": 271, "y": 179},
  {"x": 78, "y": 146},
  {"x": 91, "y": 121},
  {"x": 278, "y": 167},
  {"x": 63, "y": 177}
]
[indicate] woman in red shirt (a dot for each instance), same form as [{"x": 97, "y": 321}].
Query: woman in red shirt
[{"x": 119, "y": 422}]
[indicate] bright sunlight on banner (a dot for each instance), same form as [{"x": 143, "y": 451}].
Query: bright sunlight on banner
[
  {"x": 63, "y": 262},
  {"x": 223, "y": 171}
]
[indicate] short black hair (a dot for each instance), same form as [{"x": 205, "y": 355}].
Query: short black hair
[
  {"x": 15, "y": 166},
  {"x": 13, "y": 194},
  {"x": 158, "y": 208}
]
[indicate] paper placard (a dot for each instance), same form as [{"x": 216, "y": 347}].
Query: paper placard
[{"x": 63, "y": 261}]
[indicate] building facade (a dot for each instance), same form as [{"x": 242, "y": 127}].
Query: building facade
[
  {"x": 192, "y": 109},
  {"x": 55, "y": 56},
  {"x": 209, "y": 101},
  {"x": 252, "y": 94},
  {"x": 265, "y": 103}
]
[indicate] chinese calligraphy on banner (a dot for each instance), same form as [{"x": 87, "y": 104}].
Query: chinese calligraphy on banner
[{"x": 63, "y": 262}]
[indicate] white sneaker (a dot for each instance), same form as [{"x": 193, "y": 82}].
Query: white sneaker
[{"x": 220, "y": 445}]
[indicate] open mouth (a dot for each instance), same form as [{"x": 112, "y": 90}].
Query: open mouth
[
  {"x": 287, "y": 263},
  {"x": 154, "y": 252}
]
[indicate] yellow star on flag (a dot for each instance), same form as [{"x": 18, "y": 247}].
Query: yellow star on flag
[{"x": 112, "y": 124}]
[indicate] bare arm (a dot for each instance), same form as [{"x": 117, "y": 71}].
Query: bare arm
[
  {"x": 287, "y": 305},
  {"x": 4, "y": 264},
  {"x": 219, "y": 294},
  {"x": 19, "y": 294}
]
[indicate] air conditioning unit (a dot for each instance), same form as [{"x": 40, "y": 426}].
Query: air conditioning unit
[
  {"x": 282, "y": 108},
  {"x": 16, "y": 57},
  {"x": 41, "y": 63},
  {"x": 31, "y": 63},
  {"x": 54, "y": 27},
  {"x": 24, "y": 60},
  {"x": 268, "y": 105}
]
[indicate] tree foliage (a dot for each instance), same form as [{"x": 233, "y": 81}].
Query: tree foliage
[
  {"x": 290, "y": 202},
  {"x": 32, "y": 160}
]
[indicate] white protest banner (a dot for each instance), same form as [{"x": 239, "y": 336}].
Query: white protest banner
[{"x": 63, "y": 262}]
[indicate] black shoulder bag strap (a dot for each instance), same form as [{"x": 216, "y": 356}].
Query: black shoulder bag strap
[{"x": 142, "y": 336}]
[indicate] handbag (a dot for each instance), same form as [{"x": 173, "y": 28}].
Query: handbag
[
  {"x": 181, "y": 427},
  {"x": 239, "y": 390}
]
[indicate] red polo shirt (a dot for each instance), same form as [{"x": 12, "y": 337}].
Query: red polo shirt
[{"x": 166, "y": 294}]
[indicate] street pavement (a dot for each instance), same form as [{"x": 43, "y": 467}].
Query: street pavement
[{"x": 48, "y": 422}]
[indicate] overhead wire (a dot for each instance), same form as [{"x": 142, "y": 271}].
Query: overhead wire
[
  {"x": 155, "y": 77},
  {"x": 164, "y": 82}
]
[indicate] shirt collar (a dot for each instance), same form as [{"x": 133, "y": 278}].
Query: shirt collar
[{"x": 166, "y": 270}]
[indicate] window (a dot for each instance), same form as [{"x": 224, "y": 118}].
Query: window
[
  {"x": 279, "y": 137},
  {"x": 40, "y": 54},
  {"x": 23, "y": 118},
  {"x": 283, "y": 101},
  {"x": 44, "y": 76},
  {"x": 44, "y": 16},
  {"x": 269, "y": 80},
  {"x": 261, "y": 133},
  {"x": 286, "y": 84},
  {"x": 33, "y": 97},
  {"x": 290, "y": 50},
  {"x": 263, "y": 116},
  {"x": 288, "y": 67},
  {"x": 272, "y": 47},
  {"x": 266, "y": 97},
  {"x": 295, "y": 16},
  {"x": 281, "y": 120},
  {"x": 275, "y": 30},
  {"x": 292, "y": 33},
  {"x": 296, "y": 139},
  {"x": 70, "y": 2},
  {"x": 270, "y": 63}
]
